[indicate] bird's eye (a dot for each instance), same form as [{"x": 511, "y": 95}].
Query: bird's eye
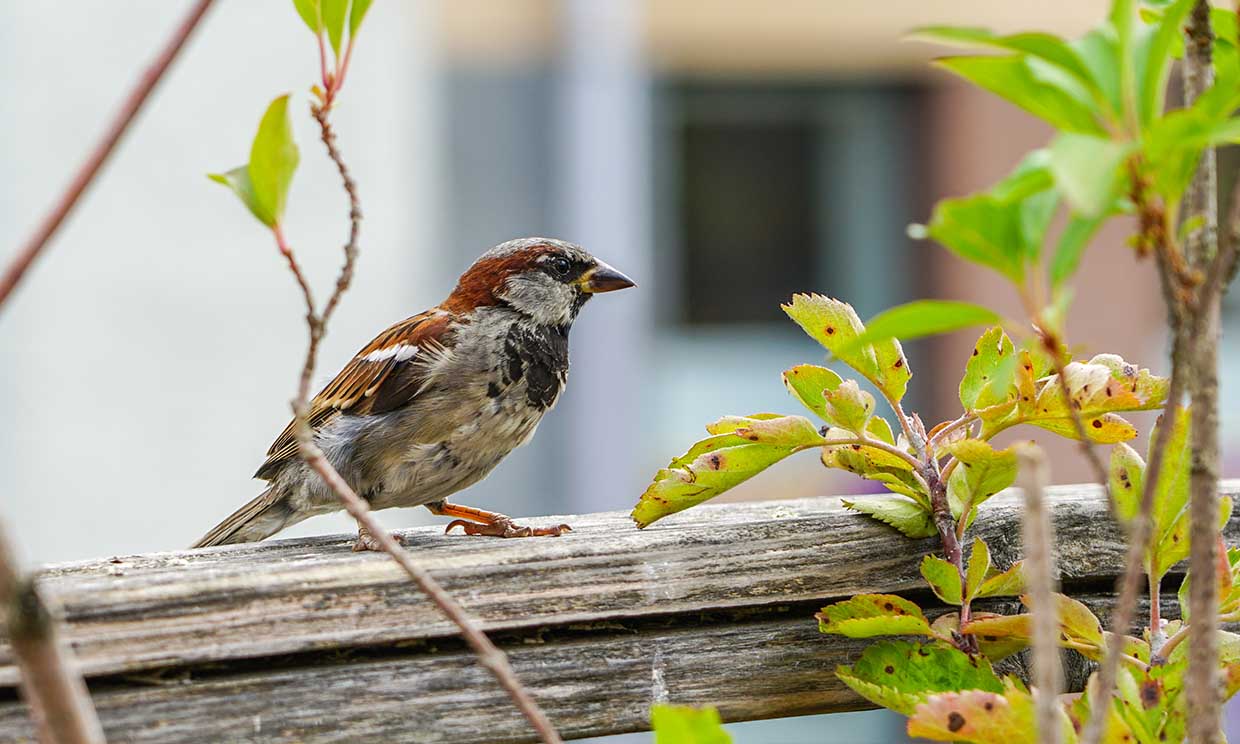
[{"x": 560, "y": 266}]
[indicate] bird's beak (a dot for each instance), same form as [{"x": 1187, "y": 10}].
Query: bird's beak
[{"x": 603, "y": 278}]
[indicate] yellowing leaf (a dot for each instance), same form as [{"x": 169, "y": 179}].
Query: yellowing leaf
[
  {"x": 988, "y": 376},
  {"x": 869, "y": 615},
  {"x": 1009, "y": 583},
  {"x": 740, "y": 448},
  {"x": 682, "y": 724},
  {"x": 982, "y": 472},
  {"x": 901, "y": 674},
  {"x": 1127, "y": 474},
  {"x": 849, "y": 406},
  {"x": 908, "y": 516},
  {"x": 994, "y": 639},
  {"x": 978, "y": 568},
  {"x": 808, "y": 383},
  {"x": 835, "y": 325},
  {"x": 981, "y": 716},
  {"x": 943, "y": 579}
]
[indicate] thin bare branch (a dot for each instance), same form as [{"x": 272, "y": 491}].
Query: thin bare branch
[
  {"x": 59, "y": 702},
  {"x": 488, "y": 654},
  {"x": 86, "y": 174},
  {"x": 1040, "y": 574}
]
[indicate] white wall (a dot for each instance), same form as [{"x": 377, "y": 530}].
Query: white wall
[{"x": 146, "y": 362}]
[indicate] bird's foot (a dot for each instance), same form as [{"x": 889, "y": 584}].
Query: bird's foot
[
  {"x": 366, "y": 541},
  {"x": 503, "y": 526}
]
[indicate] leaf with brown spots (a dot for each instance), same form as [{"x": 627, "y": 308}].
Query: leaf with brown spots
[
  {"x": 943, "y": 578},
  {"x": 835, "y": 325},
  {"x": 741, "y": 447},
  {"x": 869, "y": 615},
  {"x": 849, "y": 407},
  {"x": 1126, "y": 478},
  {"x": 981, "y": 716},
  {"x": 1000, "y": 635},
  {"x": 987, "y": 385},
  {"x": 994, "y": 646},
  {"x": 1098, "y": 390},
  {"x": 901, "y": 674}
]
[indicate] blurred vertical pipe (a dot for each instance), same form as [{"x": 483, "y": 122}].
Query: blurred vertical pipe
[{"x": 602, "y": 192}]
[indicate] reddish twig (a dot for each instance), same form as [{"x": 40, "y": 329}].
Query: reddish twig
[
  {"x": 59, "y": 702},
  {"x": 86, "y": 174}
]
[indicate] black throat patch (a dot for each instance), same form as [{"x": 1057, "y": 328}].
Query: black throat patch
[{"x": 539, "y": 355}]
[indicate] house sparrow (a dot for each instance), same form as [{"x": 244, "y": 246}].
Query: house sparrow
[{"x": 436, "y": 401}]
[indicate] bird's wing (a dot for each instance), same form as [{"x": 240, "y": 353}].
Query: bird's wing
[{"x": 383, "y": 376}]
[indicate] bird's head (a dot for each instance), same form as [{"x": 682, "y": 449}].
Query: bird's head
[{"x": 546, "y": 279}]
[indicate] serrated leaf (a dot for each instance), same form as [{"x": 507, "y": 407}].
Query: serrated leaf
[
  {"x": 909, "y": 517},
  {"x": 273, "y": 159},
  {"x": 1009, "y": 583},
  {"x": 309, "y": 12},
  {"x": 682, "y": 724},
  {"x": 1013, "y": 79},
  {"x": 989, "y": 373},
  {"x": 943, "y": 579},
  {"x": 1088, "y": 170},
  {"x": 923, "y": 318},
  {"x": 740, "y": 448},
  {"x": 807, "y": 383},
  {"x": 357, "y": 14},
  {"x": 978, "y": 567},
  {"x": 835, "y": 325},
  {"x": 1126, "y": 479},
  {"x": 983, "y": 471},
  {"x": 869, "y": 615},
  {"x": 335, "y": 13},
  {"x": 901, "y": 674}
]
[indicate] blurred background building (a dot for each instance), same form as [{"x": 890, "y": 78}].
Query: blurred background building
[{"x": 725, "y": 154}]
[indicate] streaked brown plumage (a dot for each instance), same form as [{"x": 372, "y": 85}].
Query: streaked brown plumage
[{"x": 433, "y": 403}]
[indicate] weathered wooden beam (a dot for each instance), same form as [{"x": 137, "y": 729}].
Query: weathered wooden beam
[{"x": 301, "y": 639}]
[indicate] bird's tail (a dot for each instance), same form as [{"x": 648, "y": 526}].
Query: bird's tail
[{"x": 263, "y": 517}]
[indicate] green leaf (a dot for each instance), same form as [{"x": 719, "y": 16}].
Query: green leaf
[
  {"x": 1072, "y": 243},
  {"x": 357, "y": 14},
  {"x": 943, "y": 579},
  {"x": 1097, "y": 49},
  {"x": 923, "y": 318},
  {"x": 983, "y": 472},
  {"x": 908, "y": 516},
  {"x": 335, "y": 12},
  {"x": 901, "y": 674},
  {"x": 740, "y": 448},
  {"x": 309, "y": 12},
  {"x": 1031, "y": 176},
  {"x": 1170, "y": 496},
  {"x": 982, "y": 230},
  {"x": 808, "y": 383},
  {"x": 238, "y": 179},
  {"x": 1153, "y": 61},
  {"x": 273, "y": 159},
  {"x": 978, "y": 568},
  {"x": 989, "y": 373},
  {"x": 1126, "y": 479},
  {"x": 1087, "y": 170},
  {"x": 1013, "y": 79},
  {"x": 682, "y": 724},
  {"x": 1047, "y": 47},
  {"x": 869, "y": 615},
  {"x": 1009, "y": 583},
  {"x": 835, "y": 325}
]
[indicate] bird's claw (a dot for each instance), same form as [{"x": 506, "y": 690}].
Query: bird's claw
[
  {"x": 366, "y": 541},
  {"x": 505, "y": 527}
]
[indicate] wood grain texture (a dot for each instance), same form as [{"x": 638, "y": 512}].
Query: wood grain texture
[{"x": 302, "y": 639}]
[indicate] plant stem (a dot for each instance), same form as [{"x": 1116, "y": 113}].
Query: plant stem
[
  {"x": 941, "y": 434},
  {"x": 59, "y": 702},
  {"x": 86, "y": 174},
  {"x": 1040, "y": 575}
]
